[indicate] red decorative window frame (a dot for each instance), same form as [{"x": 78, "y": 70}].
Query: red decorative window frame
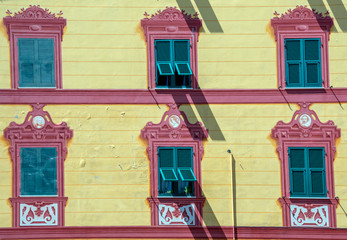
[
  {"x": 171, "y": 23},
  {"x": 184, "y": 134},
  {"x": 302, "y": 22},
  {"x": 31, "y": 134},
  {"x": 313, "y": 133},
  {"x": 34, "y": 22}
]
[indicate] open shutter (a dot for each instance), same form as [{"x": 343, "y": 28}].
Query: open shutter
[
  {"x": 182, "y": 63},
  {"x": 26, "y": 61},
  {"x": 294, "y": 65},
  {"x": 48, "y": 171},
  {"x": 164, "y": 57},
  {"x": 29, "y": 170},
  {"x": 317, "y": 175},
  {"x": 46, "y": 62},
  {"x": 166, "y": 164},
  {"x": 312, "y": 63},
  {"x": 185, "y": 164},
  {"x": 297, "y": 166}
]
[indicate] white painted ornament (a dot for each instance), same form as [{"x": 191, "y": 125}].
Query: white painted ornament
[
  {"x": 38, "y": 122},
  {"x": 305, "y": 120},
  {"x": 174, "y": 121}
]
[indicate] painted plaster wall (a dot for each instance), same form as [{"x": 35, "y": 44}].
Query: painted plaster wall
[
  {"x": 107, "y": 172},
  {"x": 104, "y": 47}
]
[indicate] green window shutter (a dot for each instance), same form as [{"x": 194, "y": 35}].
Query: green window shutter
[
  {"x": 38, "y": 171},
  {"x": 312, "y": 63},
  {"x": 297, "y": 168},
  {"x": 182, "y": 57},
  {"x": 293, "y": 63},
  {"x": 185, "y": 164},
  {"x": 317, "y": 175},
  {"x": 46, "y": 62},
  {"x": 36, "y": 62},
  {"x": 26, "y": 61},
  {"x": 166, "y": 164}
]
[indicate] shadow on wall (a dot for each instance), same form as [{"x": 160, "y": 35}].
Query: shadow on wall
[
  {"x": 338, "y": 10},
  {"x": 207, "y": 14}
]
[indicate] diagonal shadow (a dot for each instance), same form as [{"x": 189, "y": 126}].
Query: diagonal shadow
[
  {"x": 206, "y": 12},
  {"x": 340, "y": 13},
  {"x": 209, "y": 16}
]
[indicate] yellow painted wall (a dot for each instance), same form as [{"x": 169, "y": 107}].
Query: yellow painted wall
[
  {"x": 104, "y": 47},
  {"x": 106, "y": 170}
]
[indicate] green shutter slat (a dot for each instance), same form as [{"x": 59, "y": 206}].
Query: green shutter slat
[
  {"x": 312, "y": 48},
  {"x": 166, "y": 158},
  {"x": 298, "y": 183},
  {"x": 297, "y": 158},
  {"x": 181, "y": 50},
  {"x": 168, "y": 174},
  {"x": 163, "y": 50},
  {"x": 46, "y": 60},
  {"x": 312, "y": 63},
  {"x": 316, "y": 159},
  {"x": 293, "y": 49},
  {"x": 183, "y": 69},
  {"x": 26, "y": 61},
  {"x": 187, "y": 174},
  {"x": 184, "y": 157},
  {"x": 165, "y": 69}
]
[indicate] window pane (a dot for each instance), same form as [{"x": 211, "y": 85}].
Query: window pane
[
  {"x": 27, "y": 73},
  {"x": 181, "y": 50},
  {"x": 298, "y": 179},
  {"x": 312, "y": 49},
  {"x": 26, "y": 49},
  {"x": 297, "y": 158},
  {"x": 294, "y": 73},
  {"x": 163, "y": 50},
  {"x": 166, "y": 158},
  {"x": 316, "y": 158},
  {"x": 312, "y": 72},
  {"x": 317, "y": 181},
  {"x": 46, "y": 49},
  {"x": 293, "y": 49},
  {"x": 183, "y": 69},
  {"x": 168, "y": 174},
  {"x": 47, "y": 74},
  {"x": 187, "y": 174},
  {"x": 184, "y": 157},
  {"x": 165, "y": 69}
]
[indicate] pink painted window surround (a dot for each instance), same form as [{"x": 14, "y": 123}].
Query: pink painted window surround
[
  {"x": 35, "y": 23},
  {"x": 171, "y": 24},
  {"x": 306, "y": 131},
  {"x": 38, "y": 131},
  {"x": 174, "y": 130},
  {"x": 302, "y": 23}
]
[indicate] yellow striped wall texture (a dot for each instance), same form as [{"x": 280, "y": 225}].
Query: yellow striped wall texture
[
  {"x": 106, "y": 171},
  {"x": 104, "y": 47}
]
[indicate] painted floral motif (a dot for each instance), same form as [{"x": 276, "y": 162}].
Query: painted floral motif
[
  {"x": 170, "y": 13},
  {"x": 172, "y": 214},
  {"x": 34, "y": 12},
  {"x": 309, "y": 215},
  {"x": 39, "y": 214},
  {"x": 301, "y": 12}
]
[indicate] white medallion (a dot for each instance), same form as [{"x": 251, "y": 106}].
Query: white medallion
[
  {"x": 174, "y": 121},
  {"x": 38, "y": 122},
  {"x": 305, "y": 120}
]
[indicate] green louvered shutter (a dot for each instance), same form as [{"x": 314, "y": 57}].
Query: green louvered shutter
[
  {"x": 297, "y": 170},
  {"x": 167, "y": 164},
  {"x": 26, "y": 62},
  {"x": 46, "y": 62},
  {"x": 38, "y": 171},
  {"x": 185, "y": 164},
  {"x": 317, "y": 175},
  {"x": 36, "y": 62},
  {"x": 294, "y": 65},
  {"x": 312, "y": 63}
]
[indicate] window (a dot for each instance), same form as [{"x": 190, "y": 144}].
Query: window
[
  {"x": 35, "y": 36},
  {"x": 36, "y": 62},
  {"x": 307, "y": 172},
  {"x": 172, "y": 63},
  {"x": 176, "y": 176},
  {"x": 303, "y": 67},
  {"x": 175, "y": 152},
  {"x": 38, "y": 171},
  {"x": 38, "y": 150},
  {"x": 306, "y": 149},
  {"x": 172, "y": 37},
  {"x": 302, "y": 37}
]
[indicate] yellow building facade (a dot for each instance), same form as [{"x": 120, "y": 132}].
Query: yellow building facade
[{"x": 109, "y": 178}]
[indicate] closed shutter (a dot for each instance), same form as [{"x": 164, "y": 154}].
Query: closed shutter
[
  {"x": 312, "y": 63},
  {"x": 36, "y": 62},
  {"x": 317, "y": 172},
  {"x": 297, "y": 172},
  {"x": 38, "y": 171},
  {"x": 293, "y": 56}
]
